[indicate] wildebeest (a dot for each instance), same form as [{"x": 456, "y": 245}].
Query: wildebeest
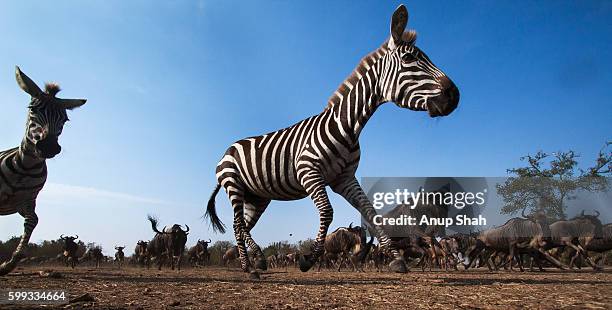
[
  {"x": 577, "y": 234},
  {"x": 230, "y": 255},
  {"x": 518, "y": 235},
  {"x": 198, "y": 254},
  {"x": 70, "y": 250},
  {"x": 343, "y": 245},
  {"x": 444, "y": 252},
  {"x": 141, "y": 253},
  {"x": 168, "y": 244},
  {"x": 93, "y": 254},
  {"x": 451, "y": 245},
  {"x": 601, "y": 245},
  {"x": 119, "y": 256}
]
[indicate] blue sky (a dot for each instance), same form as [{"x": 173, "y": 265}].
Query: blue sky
[{"x": 171, "y": 85}]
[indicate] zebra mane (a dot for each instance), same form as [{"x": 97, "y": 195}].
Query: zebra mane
[
  {"x": 364, "y": 65},
  {"x": 52, "y": 88}
]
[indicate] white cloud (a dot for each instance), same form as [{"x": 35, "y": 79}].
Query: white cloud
[{"x": 58, "y": 193}]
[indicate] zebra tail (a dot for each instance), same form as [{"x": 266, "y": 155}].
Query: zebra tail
[{"x": 211, "y": 212}]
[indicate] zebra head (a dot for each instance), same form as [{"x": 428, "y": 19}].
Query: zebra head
[
  {"x": 409, "y": 78},
  {"x": 46, "y": 117}
]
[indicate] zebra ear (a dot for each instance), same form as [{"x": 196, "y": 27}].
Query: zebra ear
[
  {"x": 70, "y": 104},
  {"x": 26, "y": 84},
  {"x": 399, "y": 21}
]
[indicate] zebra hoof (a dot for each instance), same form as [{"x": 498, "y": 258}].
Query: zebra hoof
[
  {"x": 6, "y": 267},
  {"x": 398, "y": 265},
  {"x": 254, "y": 275},
  {"x": 261, "y": 264},
  {"x": 305, "y": 263}
]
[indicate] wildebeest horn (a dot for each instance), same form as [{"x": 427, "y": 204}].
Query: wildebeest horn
[
  {"x": 77, "y": 237},
  {"x": 187, "y": 228},
  {"x": 351, "y": 225},
  {"x": 62, "y": 236},
  {"x": 209, "y": 240},
  {"x": 597, "y": 215}
]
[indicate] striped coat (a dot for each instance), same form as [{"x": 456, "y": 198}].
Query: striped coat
[
  {"x": 323, "y": 150},
  {"x": 23, "y": 171}
]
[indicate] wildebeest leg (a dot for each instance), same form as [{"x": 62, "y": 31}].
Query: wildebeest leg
[
  {"x": 354, "y": 194},
  {"x": 585, "y": 256},
  {"x": 551, "y": 259},
  {"x": 491, "y": 261},
  {"x": 580, "y": 251},
  {"x": 254, "y": 207},
  {"x": 27, "y": 211},
  {"x": 519, "y": 261},
  {"x": 160, "y": 261},
  {"x": 341, "y": 260}
]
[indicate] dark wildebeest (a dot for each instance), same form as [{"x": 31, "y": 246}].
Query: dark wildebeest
[
  {"x": 576, "y": 234},
  {"x": 70, "y": 250},
  {"x": 119, "y": 256},
  {"x": 198, "y": 254},
  {"x": 601, "y": 245},
  {"x": 229, "y": 256},
  {"x": 517, "y": 236},
  {"x": 142, "y": 254},
  {"x": 93, "y": 254},
  {"x": 343, "y": 245},
  {"x": 168, "y": 244}
]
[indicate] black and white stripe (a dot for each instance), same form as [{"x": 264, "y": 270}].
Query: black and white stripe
[
  {"x": 23, "y": 170},
  {"x": 323, "y": 150}
]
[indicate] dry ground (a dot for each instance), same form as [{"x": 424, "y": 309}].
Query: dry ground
[{"x": 218, "y": 288}]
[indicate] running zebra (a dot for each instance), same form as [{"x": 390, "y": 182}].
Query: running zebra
[
  {"x": 23, "y": 171},
  {"x": 323, "y": 150}
]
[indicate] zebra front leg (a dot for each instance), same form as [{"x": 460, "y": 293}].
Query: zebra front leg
[
  {"x": 354, "y": 194},
  {"x": 29, "y": 214},
  {"x": 315, "y": 186}
]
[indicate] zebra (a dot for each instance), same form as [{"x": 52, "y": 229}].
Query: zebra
[
  {"x": 323, "y": 150},
  {"x": 23, "y": 171}
]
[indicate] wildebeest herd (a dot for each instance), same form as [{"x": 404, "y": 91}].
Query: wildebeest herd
[{"x": 580, "y": 240}]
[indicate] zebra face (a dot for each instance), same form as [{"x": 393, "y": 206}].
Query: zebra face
[
  {"x": 46, "y": 117},
  {"x": 409, "y": 77},
  {"x": 45, "y": 124}
]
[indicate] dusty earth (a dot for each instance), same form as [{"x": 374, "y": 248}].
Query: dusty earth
[{"x": 219, "y": 288}]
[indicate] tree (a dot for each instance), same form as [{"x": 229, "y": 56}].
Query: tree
[
  {"x": 305, "y": 246},
  {"x": 280, "y": 247},
  {"x": 550, "y": 180},
  {"x": 217, "y": 250}
]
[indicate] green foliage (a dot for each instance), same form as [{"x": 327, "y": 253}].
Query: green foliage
[
  {"x": 217, "y": 250},
  {"x": 281, "y": 247},
  {"x": 550, "y": 180},
  {"x": 46, "y": 248},
  {"x": 305, "y": 246}
]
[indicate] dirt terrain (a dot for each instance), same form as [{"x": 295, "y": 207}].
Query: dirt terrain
[{"x": 219, "y": 288}]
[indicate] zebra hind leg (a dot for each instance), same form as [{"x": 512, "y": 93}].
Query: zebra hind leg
[
  {"x": 30, "y": 222},
  {"x": 241, "y": 233},
  {"x": 254, "y": 207}
]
